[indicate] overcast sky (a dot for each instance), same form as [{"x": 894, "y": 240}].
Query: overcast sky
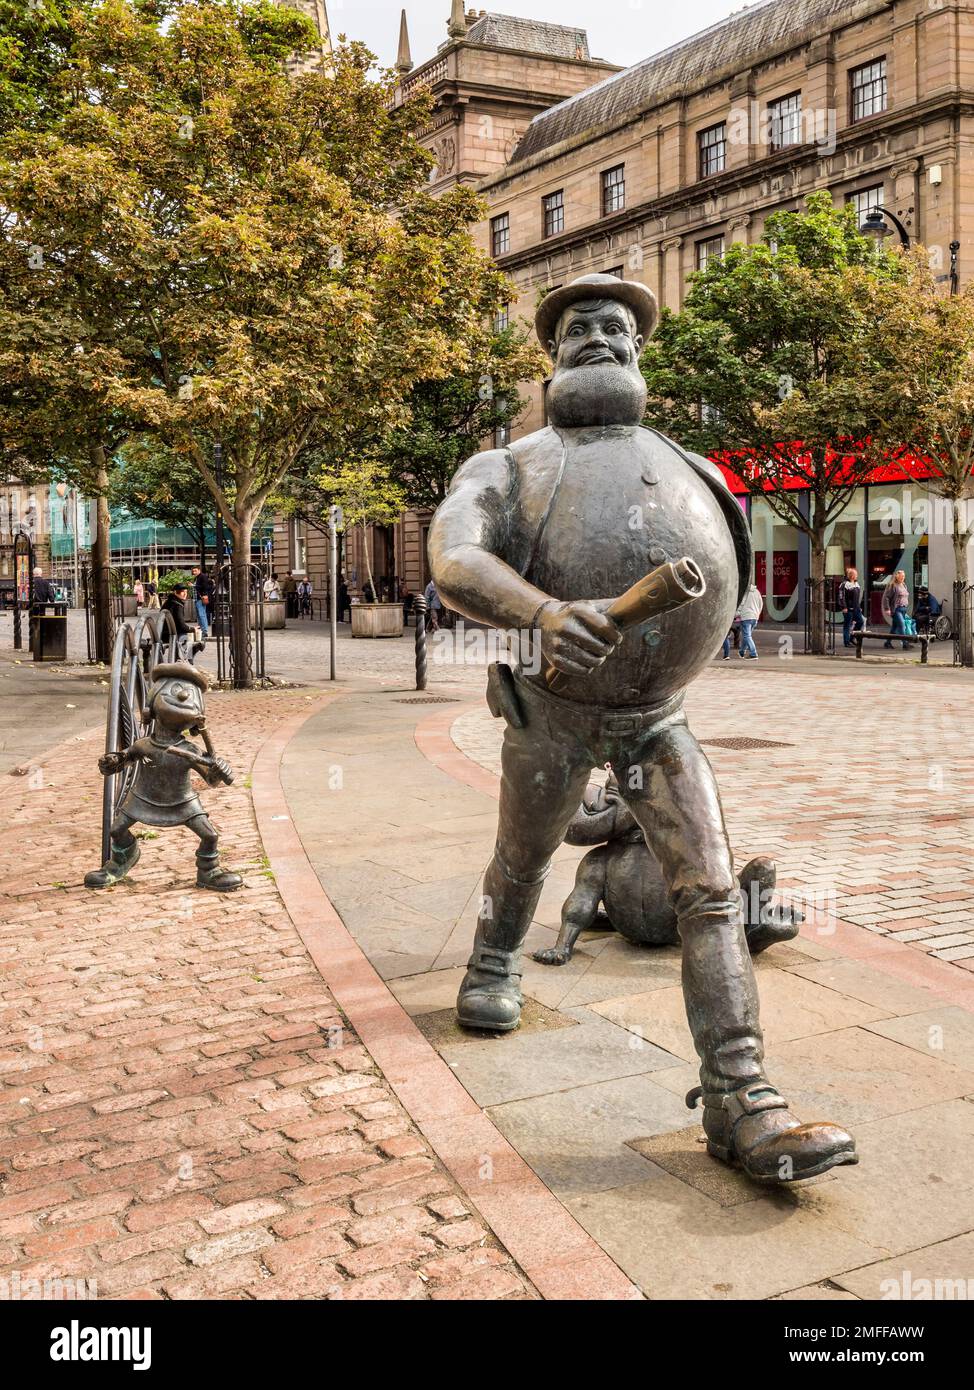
[{"x": 622, "y": 31}]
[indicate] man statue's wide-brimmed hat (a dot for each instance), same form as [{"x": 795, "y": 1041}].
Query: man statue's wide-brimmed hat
[{"x": 639, "y": 298}]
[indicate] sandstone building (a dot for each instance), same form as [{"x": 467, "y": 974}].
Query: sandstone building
[{"x": 649, "y": 171}]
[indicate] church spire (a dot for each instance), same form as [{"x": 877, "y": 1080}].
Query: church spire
[
  {"x": 457, "y": 26},
  {"x": 404, "y": 61}
]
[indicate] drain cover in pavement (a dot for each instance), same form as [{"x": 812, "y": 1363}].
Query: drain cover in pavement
[
  {"x": 744, "y": 743},
  {"x": 429, "y": 700}
]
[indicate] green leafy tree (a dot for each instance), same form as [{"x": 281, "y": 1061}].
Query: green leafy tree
[
  {"x": 774, "y": 366},
  {"x": 153, "y": 483},
  {"x": 449, "y": 419},
  {"x": 244, "y": 258},
  {"x": 367, "y": 496},
  {"x": 927, "y": 339}
]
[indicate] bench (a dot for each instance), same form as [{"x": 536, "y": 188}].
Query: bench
[{"x": 921, "y": 637}]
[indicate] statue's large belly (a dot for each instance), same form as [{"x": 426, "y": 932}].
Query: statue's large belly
[{"x": 627, "y": 504}]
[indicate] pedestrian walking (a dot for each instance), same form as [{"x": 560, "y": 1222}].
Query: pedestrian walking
[
  {"x": 732, "y": 638},
  {"x": 272, "y": 588},
  {"x": 138, "y": 589},
  {"x": 749, "y": 611},
  {"x": 434, "y": 608},
  {"x": 850, "y": 601},
  {"x": 204, "y": 594},
  {"x": 896, "y": 604},
  {"x": 344, "y": 600},
  {"x": 305, "y": 590},
  {"x": 151, "y": 594}
]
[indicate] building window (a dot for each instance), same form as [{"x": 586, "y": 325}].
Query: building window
[
  {"x": 712, "y": 148},
  {"x": 502, "y": 319},
  {"x": 868, "y": 87},
  {"x": 710, "y": 250},
  {"x": 299, "y": 545},
  {"x": 616, "y": 270},
  {"x": 785, "y": 121},
  {"x": 553, "y": 208},
  {"x": 613, "y": 190},
  {"x": 865, "y": 201},
  {"x": 500, "y": 234}
]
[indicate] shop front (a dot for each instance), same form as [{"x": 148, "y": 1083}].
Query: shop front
[{"x": 886, "y": 526}]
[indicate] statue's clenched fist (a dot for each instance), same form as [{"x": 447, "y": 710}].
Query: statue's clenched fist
[
  {"x": 577, "y": 637},
  {"x": 220, "y": 771},
  {"x": 111, "y": 762}
]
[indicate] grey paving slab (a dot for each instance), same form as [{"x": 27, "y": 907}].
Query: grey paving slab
[
  {"x": 791, "y": 1007},
  {"x": 622, "y": 968},
  {"x": 851, "y": 1076},
  {"x": 946, "y": 1032},
  {"x": 576, "y": 1140},
  {"x": 513, "y": 1067},
  {"x": 912, "y": 1186},
  {"x": 427, "y": 992},
  {"x": 860, "y": 981},
  {"x": 941, "y": 1272},
  {"x": 677, "y": 1244},
  {"x": 444, "y": 898}
]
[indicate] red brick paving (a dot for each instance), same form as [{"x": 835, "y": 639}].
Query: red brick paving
[{"x": 184, "y": 1111}]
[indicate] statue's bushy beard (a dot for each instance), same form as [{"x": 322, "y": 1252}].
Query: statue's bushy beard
[{"x": 602, "y": 393}]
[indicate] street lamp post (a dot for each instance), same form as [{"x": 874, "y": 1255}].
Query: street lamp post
[{"x": 874, "y": 225}]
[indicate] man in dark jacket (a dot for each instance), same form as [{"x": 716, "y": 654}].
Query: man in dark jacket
[
  {"x": 175, "y": 606},
  {"x": 205, "y": 591},
  {"x": 850, "y": 601},
  {"x": 42, "y": 592}
]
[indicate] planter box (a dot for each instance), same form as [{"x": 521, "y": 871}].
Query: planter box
[
  {"x": 377, "y": 620},
  {"x": 273, "y": 614}
]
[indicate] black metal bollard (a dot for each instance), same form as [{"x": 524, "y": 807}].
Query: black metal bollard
[{"x": 419, "y": 608}]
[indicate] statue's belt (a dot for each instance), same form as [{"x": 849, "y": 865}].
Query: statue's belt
[{"x": 514, "y": 696}]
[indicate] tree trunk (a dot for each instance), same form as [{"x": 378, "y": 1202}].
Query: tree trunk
[
  {"x": 368, "y": 561},
  {"x": 201, "y": 533},
  {"x": 241, "y": 647},
  {"x": 101, "y": 560},
  {"x": 962, "y": 601},
  {"x": 818, "y": 605}
]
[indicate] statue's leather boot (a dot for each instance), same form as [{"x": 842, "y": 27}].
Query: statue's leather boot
[
  {"x": 210, "y": 875},
  {"x": 751, "y": 1128},
  {"x": 490, "y": 995},
  {"x": 123, "y": 858}
]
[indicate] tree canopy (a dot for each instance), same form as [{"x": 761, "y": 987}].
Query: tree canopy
[{"x": 204, "y": 249}]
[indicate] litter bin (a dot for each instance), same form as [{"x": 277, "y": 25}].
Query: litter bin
[{"x": 49, "y": 634}]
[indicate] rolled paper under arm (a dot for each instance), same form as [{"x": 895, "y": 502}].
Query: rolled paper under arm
[{"x": 661, "y": 591}]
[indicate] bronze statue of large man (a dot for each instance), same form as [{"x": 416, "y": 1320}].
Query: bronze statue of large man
[{"x": 541, "y": 537}]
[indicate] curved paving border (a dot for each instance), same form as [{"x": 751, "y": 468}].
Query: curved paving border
[
  {"x": 894, "y": 958},
  {"x": 556, "y": 1254}
]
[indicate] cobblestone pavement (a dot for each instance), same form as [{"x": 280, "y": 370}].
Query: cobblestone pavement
[
  {"x": 184, "y": 1112},
  {"x": 864, "y": 794}
]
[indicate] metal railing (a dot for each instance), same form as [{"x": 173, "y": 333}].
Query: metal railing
[
  {"x": 963, "y": 623},
  {"x": 230, "y": 609}
]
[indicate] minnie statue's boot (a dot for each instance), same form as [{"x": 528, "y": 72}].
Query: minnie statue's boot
[{"x": 121, "y": 859}]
